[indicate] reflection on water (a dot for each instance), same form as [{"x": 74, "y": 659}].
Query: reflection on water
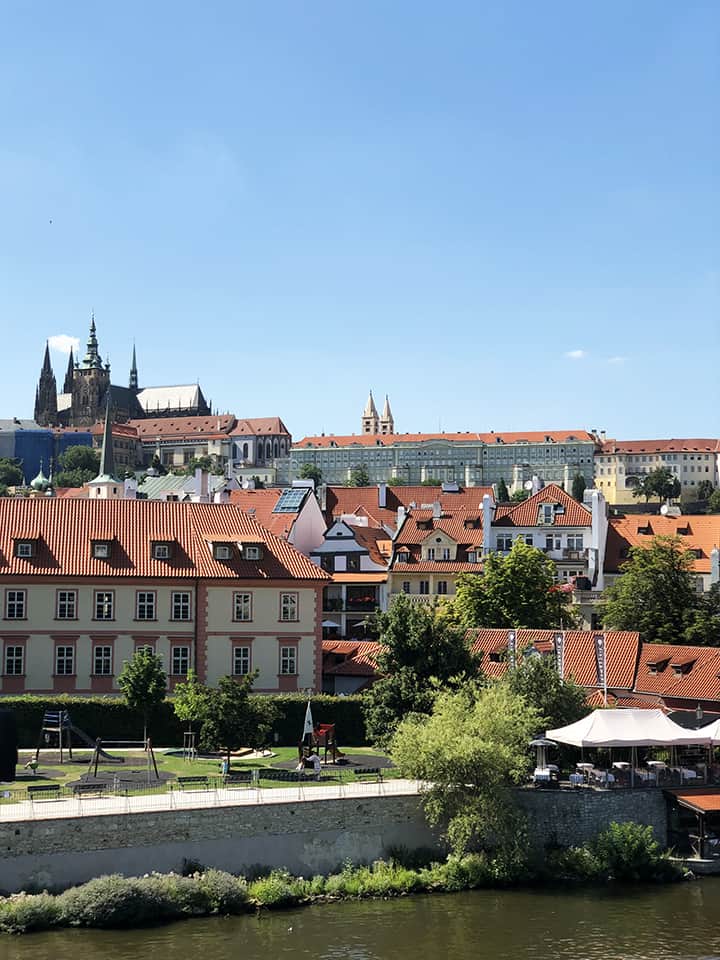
[{"x": 667, "y": 923}]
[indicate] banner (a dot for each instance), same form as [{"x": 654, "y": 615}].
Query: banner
[
  {"x": 512, "y": 648},
  {"x": 560, "y": 654},
  {"x": 601, "y": 663}
]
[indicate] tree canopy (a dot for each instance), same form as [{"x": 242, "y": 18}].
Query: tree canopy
[
  {"x": 519, "y": 496},
  {"x": 190, "y": 700},
  {"x": 78, "y": 465},
  {"x": 660, "y": 482},
  {"x": 143, "y": 683},
  {"x": 514, "y": 590},
  {"x": 558, "y": 702},
  {"x": 713, "y": 504},
  {"x": 231, "y": 718},
  {"x": 503, "y": 494},
  {"x": 205, "y": 463},
  {"x": 472, "y": 750},
  {"x": 11, "y": 474},
  {"x": 308, "y": 471},
  {"x": 359, "y": 477},
  {"x": 656, "y": 593},
  {"x": 578, "y": 487},
  {"x": 421, "y": 652}
]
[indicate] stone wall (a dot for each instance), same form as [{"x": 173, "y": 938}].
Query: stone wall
[
  {"x": 310, "y": 837},
  {"x": 572, "y": 817}
]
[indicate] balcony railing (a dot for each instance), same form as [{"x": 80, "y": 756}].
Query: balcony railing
[{"x": 420, "y": 598}]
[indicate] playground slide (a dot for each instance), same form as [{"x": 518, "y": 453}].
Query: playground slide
[{"x": 81, "y": 735}]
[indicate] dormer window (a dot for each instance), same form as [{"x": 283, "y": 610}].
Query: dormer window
[
  {"x": 547, "y": 513},
  {"x": 161, "y": 551},
  {"x": 222, "y": 551},
  {"x": 101, "y": 549},
  {"x": 472, "y": 557},
  {"x": 403, "y": 556},
  {"x": 252, "y": 553},
  {"x": 25, "y": 549}
]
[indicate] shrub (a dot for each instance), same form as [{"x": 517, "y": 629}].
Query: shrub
[
  {"x": 278, "y": 889},
  {"x": 572, "y": 865},
  {"x": 112, "y": 901},
  {"x": 629, "y": 852},
  {"x": 25, "y": 913},
  {"x": 225, "y": 893}
]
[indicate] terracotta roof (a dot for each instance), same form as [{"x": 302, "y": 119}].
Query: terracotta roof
[
  {"x": 67, "y": 526},
  {"x": 579, "y": 656},
  {"x": 659, "y": 446},
  {"x": 376, "y": 542},
  {"x": 262, "y": 502},
  {"x": 525, "y": 513},
  {"x": 118, "y": 430},
  {"x": 359, "y": 657},
  {"x": 390, "y": 439},
  {"x": 180, "y": 427},
  {"x": 706, "y": 801},
  {"x": 363, "y": 501},
  {"x": 597, "y": 699},
  {"x": 260, "y": 426},
  {"x": 367, "y": 577},
  {"x": 696, "y": 531},
  {"x": 699, "y": 679}
]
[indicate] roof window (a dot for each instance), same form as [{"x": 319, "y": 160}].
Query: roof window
[
  {"x": 222, "y": 551},
  {"x": 161, "y": 550},
  {"x": 101, "y": 549},
  {"x": 25, "y": 549}
]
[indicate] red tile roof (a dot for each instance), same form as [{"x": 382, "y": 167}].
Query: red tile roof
[
  {"x": 697, "y": 532},
  {"x": 260, "y": 426},
  {"x": 706, "y": 801},
  {"x": 376, "y": 542},
  {"x": 363, "y": 501},
  {"x": 700, "y": 682},
  {"x": 385, "y": 440},
  {"x": 179, "y": 427},
  {"x": 525, "y": 513},
  {"x": 659, "y": 446},
  {"x": 260, "y": 504},
  {"x": 67, "y": 525},
  {"x": 359, "y": 657},
  {"x": 118, "y": 430}
]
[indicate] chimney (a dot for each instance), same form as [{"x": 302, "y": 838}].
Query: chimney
[
  {"x": 487, "y": 511},
  {"x": 603, "y": 436},
  {"x": 400, "y": 516},
  {"x": 714, "y": 566},
  {"x": 382, "y": 494},
  {"x": 437, "y": 510}
]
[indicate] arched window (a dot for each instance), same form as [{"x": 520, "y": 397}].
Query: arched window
[
  {"x": 245, "y": 451},
  {"x": 275, "y": 448}
]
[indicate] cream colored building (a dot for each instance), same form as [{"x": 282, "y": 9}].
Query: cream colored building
[
  {"x": 85, "y": 583},
  {"x": 620, "y": 466}
]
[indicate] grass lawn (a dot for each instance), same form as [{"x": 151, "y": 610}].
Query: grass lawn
[{"x": 51, "y": 771}]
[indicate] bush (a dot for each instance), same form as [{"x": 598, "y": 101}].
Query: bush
[
  {"x": 25, "y": 913},
  {"x": 278, "y": 889},
  {"x": 111, "y": 901},
  {"x": 225, "y": 894},
  {"x": 572, "y": 865},
  {"x": 629, "y": 852}
]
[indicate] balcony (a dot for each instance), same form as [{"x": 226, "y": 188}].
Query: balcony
[
  {"x": 420, "y": 598},
  {"x": 574, "y": 553}
]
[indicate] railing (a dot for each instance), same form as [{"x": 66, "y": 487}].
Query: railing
[
  {"x": 421, "y": 597},
  {"x": 69, "y": 805}
]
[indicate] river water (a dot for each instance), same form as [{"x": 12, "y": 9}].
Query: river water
[{"x": 680, "y": 922}]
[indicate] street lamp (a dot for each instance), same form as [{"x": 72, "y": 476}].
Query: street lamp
[{"x": 699, "y": 715}]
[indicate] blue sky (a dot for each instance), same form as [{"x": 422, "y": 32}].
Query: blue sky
[{"x": 505, "y": 215}]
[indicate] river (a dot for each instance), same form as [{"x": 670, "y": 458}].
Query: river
[{"x": 680, "y": 922}]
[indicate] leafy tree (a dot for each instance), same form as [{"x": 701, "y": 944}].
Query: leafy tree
[
  {"x": 430, "y": 482},
  {"x": 259, "y": 485},
  {"x": 503, "y": 494},
  {"x": 704, "y": 626},
  {"x": 713, "y": 504},
  {"x": 558, "y": 702},
  {"x": 308, "y": 471},
  {"x": 421, "y": 651},
  {"x": 655, "y": 594},
  {"x": 519, "y": 496},
  {"x": 473, "y": 750},
  {"x": 516, "y": 590},
  {"x": 11, "y": 474},
  {"x": 206, "y": 463},
  {"x": 157, "y": 464},
  {"x": 143, "y": 683},
  {"x": 78, "y": 465},
  {"x": 3, "y": 490},
  {"x": 359, "y": 477},
  {"x": 395, "y": 482},
  {"x": 660, "y": 482},
  {"x": 578, "y": 487},
  {"x": 190, "y": 699},
  {"x": 705, "y": 490},
  {"x": 232, "y": 719}
]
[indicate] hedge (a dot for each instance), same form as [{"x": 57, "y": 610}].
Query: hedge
[{"x": 111, "y": 719}]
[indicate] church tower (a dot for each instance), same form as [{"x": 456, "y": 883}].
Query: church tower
[
  {"x": 370, "y": 418},
  {"x": 90, "y": 384},
  {"x": 387, "y": 424},
  {"x": 106, "y": 485},
  {"x": 133, "y": 384},
  {"x": 46, "y": 394},
  {"x": 69, "y": 374}
]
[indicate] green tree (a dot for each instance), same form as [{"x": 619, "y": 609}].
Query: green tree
[
  {"x": 359, "y": 477},
  {"x": 206, "y": 463},
  {"x": 143, "y": 683},
  {"x": 655, "y": 594},
  {"x": 578, "y": 487},
  {"x": 430, "y": 482},
  {"x": 515, "y": 590},
  {"x": 713, "y": 504},
  {"x": 11, "y": 474},
  {"x": 705, "y": 490},
  {"x": 259, "y": 485},
  {"x": 308, "y": 471},
  {"x": 233, "y": 719},
  {"x": 503, "y": 494},
  {"x": 704, "y": 626},
  {"x": 190, "y": 699},
  {"x": 558, "y": 702},
  {"x": 473, "y": 750},
  {"x": 157, "y": 464},
  {"x": 660, "y": 482},
  {"x": 78, "y": 465},
  {"x": 519, "y": 496},
  {"x": 395, "y": 482},
  {"x": 421, "y": 651}
]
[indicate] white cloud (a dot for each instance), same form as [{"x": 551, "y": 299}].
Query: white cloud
[
  {"x": 63, "y": 343},
  {"x": 616, "y": 361},
  {"x": 576, "y": 354}
]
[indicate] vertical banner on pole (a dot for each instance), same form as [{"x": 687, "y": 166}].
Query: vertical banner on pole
[
  {"x": 512, "y": 648},
  {"x": 560, "y": 654},
  {"x": 601, "y": 663}
]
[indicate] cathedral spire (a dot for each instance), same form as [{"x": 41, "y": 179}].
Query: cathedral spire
[
  {"x": 46, "y": 394},
  {"x": 47, "y": 366},
  {"x": 370, "y": 419},
  {"x": 133, "y": 372},
  {"x": 387, "y": 424},
  {"x": 107, "y": 461},
  {"x": 92, "y": 357},
  {"x": 67, "y": 385}
]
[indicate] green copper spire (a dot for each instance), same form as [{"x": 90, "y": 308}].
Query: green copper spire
[
  {"x": 92, "y": 357},
  {"x": 107, "y": 462}
]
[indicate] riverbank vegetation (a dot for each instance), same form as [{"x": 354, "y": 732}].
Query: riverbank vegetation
[{"x": 624, "y": 853}]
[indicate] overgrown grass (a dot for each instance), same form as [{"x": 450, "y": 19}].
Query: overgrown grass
[{"x": 624, "y": 852}]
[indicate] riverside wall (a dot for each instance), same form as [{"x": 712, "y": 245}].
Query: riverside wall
[{"x": 307, "y": 838}]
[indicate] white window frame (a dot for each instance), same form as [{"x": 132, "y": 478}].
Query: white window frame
[
  {"x": 242, "y": 607},
  {"x": 24, "y": 549},
  {"x": 66, "y": 605},
  {"x": 289, "y": 607},
  {"x": 14, "y": 658},
  {"x": 252, "y": 553},
  {"x": 424, "y": 588},
  {"x": 101, "y": 550},
  {"x": 16, "y": 604},
  {"x": 64, "y": 660},
  {"x": 179, "y": 657},
  {"x": 145, "y": 606},
  {"x": 161, "y": 551},
  {"x": 241, "y": 657},
  {"x": 442, "y": 588},
  {"x": 181, "y": 604},
  {"x": 288, "y": 659},
  {"x": 102, "y": 659},
  {"x": 104, "y": 602}
]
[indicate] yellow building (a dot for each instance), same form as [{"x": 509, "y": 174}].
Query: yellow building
[{"x": 620, "y": 465}]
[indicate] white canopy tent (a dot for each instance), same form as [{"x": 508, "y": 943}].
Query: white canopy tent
[
  {"x": 712, "y": 732},
  {"x": 630, "y": 728}
]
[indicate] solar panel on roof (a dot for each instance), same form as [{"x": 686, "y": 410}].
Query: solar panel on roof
[{"x": 290, "y": 501}]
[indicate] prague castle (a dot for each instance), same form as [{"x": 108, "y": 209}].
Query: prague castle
[{"x": 87, "y": 390}]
